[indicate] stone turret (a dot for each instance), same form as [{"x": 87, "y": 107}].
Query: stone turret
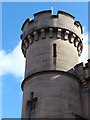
[
  {"x": 52, "y": 45},
  {"x": 39, "y": 36}
]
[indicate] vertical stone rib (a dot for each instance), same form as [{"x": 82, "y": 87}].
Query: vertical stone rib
[
  {"x": 36, "y": 37},
  {"x": 72, "y": 37},
  {"x": 50, "y": 32},
  {"x": 66, "y": 34},
  {"x": 59, "y": 33},
  {"x": 30, "y": 39},
  {"x": 43, "y": 34}
]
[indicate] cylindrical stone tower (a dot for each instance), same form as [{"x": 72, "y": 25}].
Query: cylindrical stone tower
[{"x": 52, "y": 45}]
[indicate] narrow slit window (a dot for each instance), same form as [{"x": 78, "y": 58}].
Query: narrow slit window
[{"x": 54, "y": 50}]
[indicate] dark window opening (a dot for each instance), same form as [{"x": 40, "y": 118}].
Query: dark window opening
[{"x": 54, "y": 50}]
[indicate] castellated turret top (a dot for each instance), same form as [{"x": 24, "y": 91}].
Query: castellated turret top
[{"x": 62, "y": 24}]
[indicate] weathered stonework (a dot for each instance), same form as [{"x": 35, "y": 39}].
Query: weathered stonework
[
  {"x": 52, "y": 45},
  {"x": 63, "y": 31}
]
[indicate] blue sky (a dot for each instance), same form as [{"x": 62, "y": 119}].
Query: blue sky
[{"x": 11, "y": 58}]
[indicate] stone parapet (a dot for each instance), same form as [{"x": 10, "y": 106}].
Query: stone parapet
[
  {"x": 62, "y": 25},
  {"x": 82, "y": 72}
]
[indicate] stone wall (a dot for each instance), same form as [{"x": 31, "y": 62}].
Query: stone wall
[{"x": 58, "y": 95}]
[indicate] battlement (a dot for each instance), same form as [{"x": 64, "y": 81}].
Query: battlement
[
  {"x": 46, "y": 19},
  {"x": 62, "y": 25},
  {"x": 83, "y": 68},
  {"x": 82, "y": 71}
]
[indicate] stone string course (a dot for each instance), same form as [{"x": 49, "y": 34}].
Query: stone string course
[{"x": 80, "y": 70}]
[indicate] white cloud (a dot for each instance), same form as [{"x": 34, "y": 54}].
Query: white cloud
[
  {"x": 85, "y": 56},
  {"x": 12, "y": 63}
]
